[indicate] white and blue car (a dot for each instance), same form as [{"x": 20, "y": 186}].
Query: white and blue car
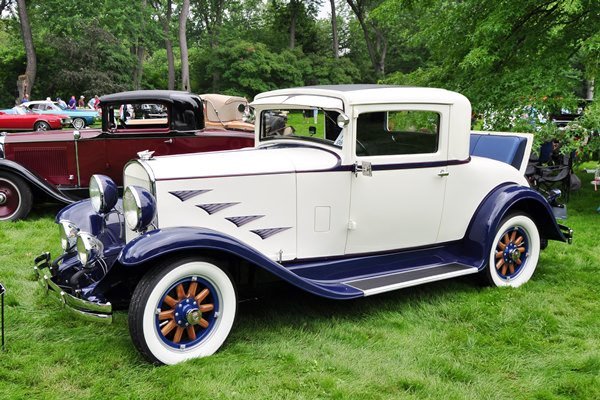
[
  {"x": 80, "y": 118},
  {"x": 350, "y": 191}
]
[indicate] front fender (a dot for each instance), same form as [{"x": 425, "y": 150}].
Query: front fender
[
  {"x": 500, "y": 202},
  {"x": 33, "y": 179},
  {"x": 162, "y": 242}
]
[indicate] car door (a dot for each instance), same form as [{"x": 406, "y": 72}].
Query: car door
[{"x": 397, "y": 192}]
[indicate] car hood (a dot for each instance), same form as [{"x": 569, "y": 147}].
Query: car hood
[
  {"x": 270, "y": 159},
  {"x": 48, "y": 136}
]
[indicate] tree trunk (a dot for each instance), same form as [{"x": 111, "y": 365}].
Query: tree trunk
[
  {"x": 139, "y": 68},
  {"x": 293, "y": 7},
  {"x": 334, "y": 34},
  {"x": 169, "y": 46},
  {"x": 377, "y": 50},
  {"x": 185, "y": 67},
  {"x": 31, "y": 69},
  {"x": 139, "y": 51}
]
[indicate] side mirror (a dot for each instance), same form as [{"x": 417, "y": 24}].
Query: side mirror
[
  {"x": 76, "y": 135},
  {"x": 343, "y": 120}
]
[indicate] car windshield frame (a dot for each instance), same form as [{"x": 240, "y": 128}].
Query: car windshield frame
[{"x": 286, "y": 122}]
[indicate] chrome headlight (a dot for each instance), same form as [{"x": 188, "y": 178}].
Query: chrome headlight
[
  {"x": 88, "y": 247},
  {"x": 66, "y": 121},
  {"x": 68, "y": 234},
  {"x": 139, "y": 207},
  {"x": 103, "y": 193}
]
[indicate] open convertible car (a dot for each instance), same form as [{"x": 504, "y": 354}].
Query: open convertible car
[{"x": 350, "y": 191}]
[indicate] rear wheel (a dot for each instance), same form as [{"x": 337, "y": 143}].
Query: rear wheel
[
  {"x": 78, "y": 123},
  {"x": 181, "y": 310},
  {"x": 41, "y": 126},
  {"x": 514, "y": 252},
  {"x": 15, "y": 197}
]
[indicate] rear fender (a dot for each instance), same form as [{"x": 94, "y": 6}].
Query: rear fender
[
  {"x": 500, "y": 202},
  {"x": 33, "y": 180}
]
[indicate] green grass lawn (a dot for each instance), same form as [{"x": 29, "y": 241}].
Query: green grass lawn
[{"x": 448, "y": 340}]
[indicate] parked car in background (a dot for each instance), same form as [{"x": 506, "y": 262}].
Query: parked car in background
[
  {"x": 80, "y": 118},
  {"x": 59, "y": 165},
  {"x": 350, "y": 191},
  {"x": 227, "y": 112},
  {"x": 21, "y": 118}
]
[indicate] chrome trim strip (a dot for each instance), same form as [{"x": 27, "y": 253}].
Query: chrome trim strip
[{"x": 383, "y": 289}]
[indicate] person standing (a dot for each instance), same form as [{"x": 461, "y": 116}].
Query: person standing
[
  {"x": 81, "y": 102},
  {"x": 61, "y": 103},
  {"x": 72, "y": 103},
  {"x": 25, "y": 98}
]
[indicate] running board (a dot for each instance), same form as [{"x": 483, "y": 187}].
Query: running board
[{"x": 413, "y": 277}]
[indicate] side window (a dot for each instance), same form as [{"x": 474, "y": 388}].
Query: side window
[
  {"x": 397, "y": 132},
  {"x": 135, "y": 116}
]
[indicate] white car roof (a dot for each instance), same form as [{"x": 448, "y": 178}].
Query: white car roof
[{"x": 363, "y": 94}]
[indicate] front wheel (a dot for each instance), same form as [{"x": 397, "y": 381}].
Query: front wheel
[
  {"x": 514, "y": 252},
  {"x": 182, "y": 310},
  {"x": 41, "y": 126},
  {"x": 15, "y": 197},
  {"x": 78, "y": 123}
]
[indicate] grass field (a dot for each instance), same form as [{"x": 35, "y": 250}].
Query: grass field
[{"x": 448, "y": 340}]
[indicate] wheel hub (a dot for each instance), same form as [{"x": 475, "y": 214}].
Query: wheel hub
[
  {"x": 187, "y": 313},
  {"x": 511, "y": 253},
  {"x": 2, "y": 198}
]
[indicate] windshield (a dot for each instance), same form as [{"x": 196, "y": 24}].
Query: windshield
[
  {"x": 21, "y": 110},
  {"x": 313, "y": 124}
]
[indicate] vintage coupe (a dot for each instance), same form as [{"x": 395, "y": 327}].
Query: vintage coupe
[
  {"x": 80, "y": 118},
  {"x": 58, "y": 165},
  {"x": 20, "y": 118},
  {"x": 350, "y": 191}
]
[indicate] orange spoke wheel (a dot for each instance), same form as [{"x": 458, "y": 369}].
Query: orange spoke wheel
[{"x": 186, "y": 312}]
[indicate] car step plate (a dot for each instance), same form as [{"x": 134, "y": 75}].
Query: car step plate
[{"x": 413, "y": 277}]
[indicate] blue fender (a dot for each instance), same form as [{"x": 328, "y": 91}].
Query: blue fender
[
  {"x": 34, "y": 180},
  {"x": 500, "y": 202},
  {"x": 164, "y": 241},
  {"x": 83, "y": 215}
]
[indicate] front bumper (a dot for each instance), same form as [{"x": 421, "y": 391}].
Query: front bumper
[
  {"x": 93, "y": 311},
  {"x": 567, "y": 233}
]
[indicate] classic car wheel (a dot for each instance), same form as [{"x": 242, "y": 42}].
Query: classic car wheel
[
  {"x": 181, "y": 310},
  {"x": 515, "y": 252},
  {"x": 15, "y": 197},
  {"x": 41, "y": 126},
  {"x": 78, "y": 123}
]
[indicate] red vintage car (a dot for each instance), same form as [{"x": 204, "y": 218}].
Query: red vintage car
[
  {"x": 58, "y": 165},
  {"x": 22, "y": 119}
]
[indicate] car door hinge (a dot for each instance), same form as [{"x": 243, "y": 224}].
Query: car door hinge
[{"x": 364, "y": 167}]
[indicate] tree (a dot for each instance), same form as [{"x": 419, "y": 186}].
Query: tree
[
  {"x": 334, "y": 33},
  {"x": 185, "y": 66},
  {"x": 374, "y": 36},
  {"x": 26, "y": 85}
]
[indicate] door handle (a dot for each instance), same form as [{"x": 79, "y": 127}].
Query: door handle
[
  {"x": 444, "y": 172},
  {"x": 169, "y": 141}
]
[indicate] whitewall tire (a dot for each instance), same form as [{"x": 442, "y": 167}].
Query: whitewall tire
[
  {"x": 181, "y": 310},
  {"x": 514, "y": 252}
]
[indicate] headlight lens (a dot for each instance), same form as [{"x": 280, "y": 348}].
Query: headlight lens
[
  {"x": 139, "y": 207},
  {"x": 88, "y": 247},
  {"x": 103, "y": 193},
  {"x": 68, "y": 234}
]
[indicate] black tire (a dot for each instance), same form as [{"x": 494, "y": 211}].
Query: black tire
[
  {"x": 78, "y": 123},
  {"x": 154, "y": 324},
  {"x": 41, "y": 126},
  {"x": 15, "y": 197},
  {"x": 514, "y": 252}
]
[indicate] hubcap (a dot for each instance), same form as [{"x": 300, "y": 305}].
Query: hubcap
[
  {"x": 511, "y": 253},
  {"x": 9, "y": 199}
]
